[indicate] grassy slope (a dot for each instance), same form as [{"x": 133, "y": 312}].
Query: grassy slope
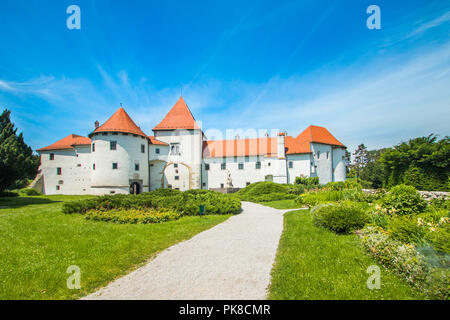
[
  {"x": 38, "y": 243},
  {"x": 282, "y": 204},
  {"x": 314, "y": 263}
]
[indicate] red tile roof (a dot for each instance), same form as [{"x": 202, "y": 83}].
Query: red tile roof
[
  {"x": 179, "y": 117},
  {"x": 268, "y": 146},
  {"x": 154, "y": 141},
  {"x": 120, "y": 122},
  {"x": 68, "y": 143}
]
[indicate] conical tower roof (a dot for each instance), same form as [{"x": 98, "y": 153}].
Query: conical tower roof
[
  {"x": 120, "y": 121},
  {"x": 179, "y": 117}
]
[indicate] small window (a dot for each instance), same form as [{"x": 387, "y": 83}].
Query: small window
[
  {"x": 79, "y": 165},
  {"x": 135, "y": 135},
  {"x": 93, "y": 147},
  {"x": 177, "y": 177},
  {"x": 175, "y": 165},
  {"x": 318, "y": 154},
  {"x": 206, "y": 166},
  {"x": 291, "y": 164},
  {"x": 58, "y": 171},
  {"x": 104, "y": 134},
  {"x": 221, "y": 185},
  {"x": 57, "y": 188},
  {"x": 176, "y": 171},
  {"x": 136, "y": 167},
  {"x": 93, "y": 166},
  {"x": 115, "y": 165},
  {"x": 142, "y": 148},
  {"x": 204, "y": 184},
  {"x": 113, "y": 145},
  {"x": 258, "y": 165},
  {"x": 60, "y": 182},
  {"x": 175, "y": 149},
  {"x": 328, "y": 154},
  {"x": 240, "y": 166},
  {"x": 115, "y": 134},
  {"x": 268, "y": 164},
  {"x": 223, "y": 166},
  {"x": 157, "y": 150},
  {"x": 247, "y": 183},
  {"x": 52, "y": 156},
  {"x": 124, "y": 134}
]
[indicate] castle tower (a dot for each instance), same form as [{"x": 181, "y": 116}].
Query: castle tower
[
  {"x": 119, "y": 156},
  {"x": 184, "y": 138}
]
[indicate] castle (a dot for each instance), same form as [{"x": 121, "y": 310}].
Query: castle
[{"x": 118, "y": 157}]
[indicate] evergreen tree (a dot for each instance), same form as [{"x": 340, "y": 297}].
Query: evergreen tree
[
  {"x": 17, "y": 162},
  {"x": 361, "y": 158}
]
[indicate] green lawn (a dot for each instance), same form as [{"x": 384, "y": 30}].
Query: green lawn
[
  {"x": 38, "y": 243},
  {"x": 282, "y": 204},
  {"x": 314, "y": 263}
]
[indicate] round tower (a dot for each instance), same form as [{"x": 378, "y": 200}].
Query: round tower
[{"x": 119, "y": 156}]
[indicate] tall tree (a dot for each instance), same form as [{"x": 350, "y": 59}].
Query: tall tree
[
  {"x": 17, "y": 161},
  {"x": 361, "y": 157}
]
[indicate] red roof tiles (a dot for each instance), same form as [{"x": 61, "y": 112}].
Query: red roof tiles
[
  {"x": 154, "y": 141},
  {"x": 179, "y": 117},
  {"x": 120, "y": 122},
  {"x": 68, "y": 143}
]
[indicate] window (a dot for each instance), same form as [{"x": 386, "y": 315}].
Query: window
[
  {"x": 57, "y": 187},
  {"x": 157, "y": 150},
  {"x": 247, "y": 159},
  {"x": 235, "y": 159},
  {"x": 135, "y": 135},
  {"x": 291, "y": 164},
  {"x": 247, "y": 183},
  {"x": 268, "y": 164},
  {"x": 115, "y": 165},
  {"x": 60, "y": 182},
  {"x": 52, "y": 156},
  {"x": 136, "y": 167},
  {"x": 206, "y": 166},
  {"x": 115, "y": 134},
  {"x": 79, "y": 165},
  {"x": 240, "y": 166},
  {"x": 175, "y": 165},
  {"x": 175, "y": 149},
  {"x": 318, "y": 154},
  {"x": 177, "y": 177},
  {"x": 204, "y": 184},
  {"x": 104, "y": 134},
  {"x": 58, "y": 171},
  {"x": 142, "y": 148},
  {"x": 93, "y": 166},
  {"x": 113, "y": 145},
  {"x": 93, "y": 147},
  {"x": 221, "y": 185},
  {"x": 223, "y": 166},
  {"x": 328, "y": 154},
  {"x": 124, "y": 134},
  {"x": 258, "y": 165}
]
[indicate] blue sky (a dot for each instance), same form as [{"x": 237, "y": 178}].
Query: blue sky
[{"x": 241, "y": 64}]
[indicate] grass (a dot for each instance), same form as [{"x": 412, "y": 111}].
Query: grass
[
  {"x": 314, "y": 263},
  {"x": 39, "y": 243},
  {"x": 282, "y": 204}
]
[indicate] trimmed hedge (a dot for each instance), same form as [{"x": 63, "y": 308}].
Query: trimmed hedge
[
  {"x": 185, "y": 203},
  {"x": 132, "y": 216},
  {"x": 268, "y": 191}
]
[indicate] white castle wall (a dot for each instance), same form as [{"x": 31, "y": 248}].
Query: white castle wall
[
  {"x": 301, "y": 165},
  {"x": 339, "y": 165},
  {"x": 105, "y": 179},
  {"x": 75, "y": 167}
]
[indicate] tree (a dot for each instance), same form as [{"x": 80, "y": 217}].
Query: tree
[
  {"x": 361, "y": 158},
  {"x": 17, "y": 162}
]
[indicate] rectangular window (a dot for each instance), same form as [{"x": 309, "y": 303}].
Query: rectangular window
[
  {"x": 175, "y": 165},
  {"x": 104, "y": 134},
  {"x": 291, "y": 164},
  {"x": 115, "y": 165},
  {"x": 175, "y": 149},
  {"x": 240, "y": 166},
  {"x": 177, "y": 177},
  {"x": 328, "y": 154},
  {"x": 58, "y": 171},
  {"x": 142, "y": 148},
  {"x": 247, "y": 159},
  {"x": 157, "y": 150},
  {"x": 93, "y": 147},
  {"x": 52, "y": 156},
  {"x": 136, "y": 167},
  {"x": 223, "y": 166},
  {"x": 206, "y": 166},
  {"x": 113, "y": 145},
  {"x": 115, "y": 134},
  {"x": 57, "y": 187},
  {"x": 204, "y": 184},
  {"x": 221, "y": 185},
  {"x": 93, "y": 166},
  {"x": 258, "y": 165}
]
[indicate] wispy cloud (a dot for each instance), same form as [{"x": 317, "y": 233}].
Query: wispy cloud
[{"x": 424, "y": 26}]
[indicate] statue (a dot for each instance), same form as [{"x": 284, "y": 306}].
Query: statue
[{"x": 229, "y": 183}]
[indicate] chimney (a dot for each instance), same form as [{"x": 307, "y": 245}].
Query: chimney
[
  {"x": 96, "y": 124},
  {"x": 280, "y": 143}
]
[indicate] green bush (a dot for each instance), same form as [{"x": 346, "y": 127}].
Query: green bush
[
  {"x": 262, "y": 191},
  {"x": 30, "y": 192},
  {"x": 343, "y": 217},
  {"x": 439, "y": 238},
  {"x": 341, "y": 185},
  {"x": 405, "y": 229},
  {"x": 132, "y": 216},
  {"x": 312, "y": 199},
  {"x": 403, "y": 200},
  {"x": 186, "y": 203},
  {"x": 8, "y": 194},
  {"x": 308, "y": 182}
]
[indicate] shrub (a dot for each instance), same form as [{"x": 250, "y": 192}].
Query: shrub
[
  {"x": 341, "y": 218},
  {"x": 406, "y": 261},
  {"x": 312, "y": 199},
  {"x": 8, "y": 194},
  {"x": 308, "y": 182},
  {"x": 405, "y": 229},
  {"x": 260, "y": 191},
  {"x": 341, "y": 185},
  {"x": 132, "y": 216},
  {"x": 403, "y": 200},
  {"x": 30, "y": 192},
  {"x": 440, "y": 238}
]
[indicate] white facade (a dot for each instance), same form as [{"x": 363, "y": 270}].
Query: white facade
[{"x": 120, "y": 162}]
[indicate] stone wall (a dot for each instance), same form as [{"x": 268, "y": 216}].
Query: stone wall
[{"x": 427, "y": 195}]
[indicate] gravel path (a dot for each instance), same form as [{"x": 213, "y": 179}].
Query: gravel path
[{"x": 232, "y": 260}]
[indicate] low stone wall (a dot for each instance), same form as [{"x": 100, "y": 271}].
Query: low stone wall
[{"x": 427, "y": 195}]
